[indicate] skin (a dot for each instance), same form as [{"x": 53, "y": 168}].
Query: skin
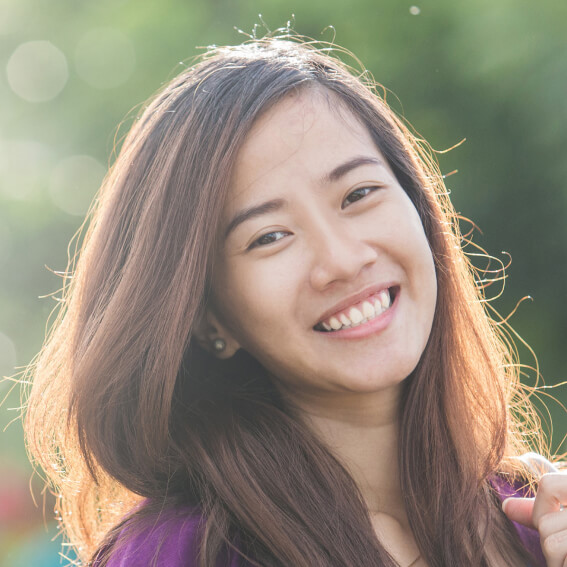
[
  {"x": 326, "y": 241},
  {"x": 545, "y": 514}
]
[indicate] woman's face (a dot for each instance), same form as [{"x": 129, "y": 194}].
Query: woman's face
[{"x": 324, "y": 273}]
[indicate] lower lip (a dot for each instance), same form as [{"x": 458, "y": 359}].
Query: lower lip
[{"x": 371, "y": 327}]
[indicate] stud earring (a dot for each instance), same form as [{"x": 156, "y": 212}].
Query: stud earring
[{"x": 219, "y": 345}]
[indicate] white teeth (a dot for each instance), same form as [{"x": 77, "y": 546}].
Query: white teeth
[
  {"x": 368, "y": 310},
  {"x": 355, "y": 316},
  {"x": 335, "y": 323}
]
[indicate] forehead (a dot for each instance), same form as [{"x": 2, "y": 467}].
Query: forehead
[{"x": 300, "y": 139}]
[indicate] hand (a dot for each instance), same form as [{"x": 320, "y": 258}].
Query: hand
[{"x": 545, "y": 513}]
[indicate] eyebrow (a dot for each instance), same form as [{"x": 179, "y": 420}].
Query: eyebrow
[
  {"x": 277, "y": 204},
  {"x": 344, "y": 168},
  {"x": 251, "y": 212}
]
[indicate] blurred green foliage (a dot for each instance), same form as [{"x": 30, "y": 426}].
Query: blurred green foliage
[{"x": 493, "y": 72}]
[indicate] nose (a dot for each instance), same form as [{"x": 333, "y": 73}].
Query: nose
[{"x": 340, "y": 253}]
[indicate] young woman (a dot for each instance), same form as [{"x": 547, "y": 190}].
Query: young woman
[{"x": 272, "y": 349}]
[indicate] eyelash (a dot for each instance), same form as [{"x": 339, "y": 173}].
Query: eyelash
[
  {"x": 369, "y": 189},
  {"x": 258, "y": 243}
]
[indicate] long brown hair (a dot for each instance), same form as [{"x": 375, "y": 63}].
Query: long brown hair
[{"x": 125, "y": 404}]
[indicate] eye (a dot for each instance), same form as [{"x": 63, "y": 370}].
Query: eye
[
  {"x": 358, "y": 194},
  {"x": 268, "y": 238}
]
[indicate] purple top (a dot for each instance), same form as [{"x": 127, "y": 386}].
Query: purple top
[
  {"x": 170, "y": 540},
  {"x": 528, "y": 536}
]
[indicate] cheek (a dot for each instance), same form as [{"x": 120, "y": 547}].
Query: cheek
[
  {"x": 417, "y": 244},
  {"x": 257, "y": 302},
  {"x": 414, "y": 248},
  {"x": 403, "y": 236},
  {"x": 425, "y": 273},
  {"x": 427, "y": 281}
]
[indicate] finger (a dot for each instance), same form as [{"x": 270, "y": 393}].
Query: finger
[
  {"x": 552, "y": 523},
  {"x": 551, "y": 493},
  {"x": 554, "y": 548},
  {"x": 519, "y": 510}
]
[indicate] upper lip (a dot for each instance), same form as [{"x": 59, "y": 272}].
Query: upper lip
[{"x": 356, "y": 298}]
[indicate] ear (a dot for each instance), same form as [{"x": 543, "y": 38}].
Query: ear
[{"x": 209, "y": 329}]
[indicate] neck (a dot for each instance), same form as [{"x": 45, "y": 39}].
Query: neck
[{"x": 362, "y": 432}]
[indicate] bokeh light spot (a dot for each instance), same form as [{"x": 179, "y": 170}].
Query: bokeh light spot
[
  {"x": 37, "y": 71},
  {"x": 105, "y": 58},
  {"x": 415, "y": 11},
  {"x": 73, "y": 183}
]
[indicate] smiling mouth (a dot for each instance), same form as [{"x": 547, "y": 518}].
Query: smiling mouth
[{"x": 359, "y": 313}]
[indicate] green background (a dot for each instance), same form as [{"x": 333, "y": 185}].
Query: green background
[{"x": 491, "y": 71}]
